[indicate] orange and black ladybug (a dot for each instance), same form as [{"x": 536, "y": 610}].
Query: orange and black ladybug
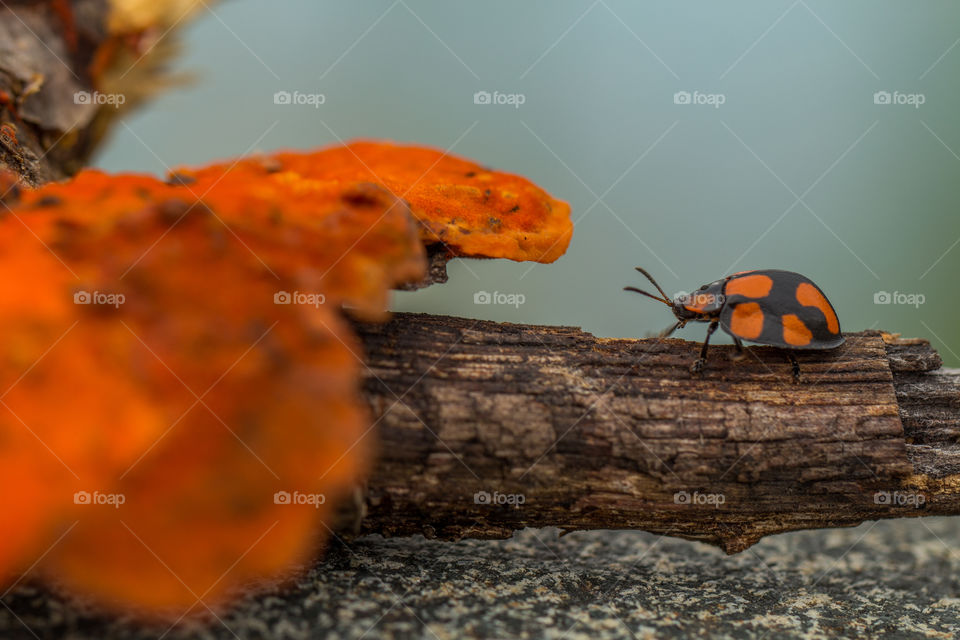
[{"x": 768, "y": 306}]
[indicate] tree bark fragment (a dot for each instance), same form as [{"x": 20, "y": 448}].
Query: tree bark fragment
[{"x": 616, "y": 433}]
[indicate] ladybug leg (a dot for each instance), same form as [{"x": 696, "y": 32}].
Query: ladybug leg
[
  {"x": 666, "y": 333},
  {"x": 796, "y": 366},
  {"x": 697, "y": 366},
  {"x": 739, "y": 354}
]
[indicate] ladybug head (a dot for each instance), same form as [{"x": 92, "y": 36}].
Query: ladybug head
[{"x": 681, "y": 305}]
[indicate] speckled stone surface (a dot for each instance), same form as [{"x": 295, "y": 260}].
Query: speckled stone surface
[{"x": 898, "y": 579}]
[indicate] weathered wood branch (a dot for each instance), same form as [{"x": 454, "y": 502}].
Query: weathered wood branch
[
  {"x": 601, "y": 433},
  {"x": 66, "y": 75}
]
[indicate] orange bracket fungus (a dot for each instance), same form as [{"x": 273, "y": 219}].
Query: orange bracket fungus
[
  {"x": 179, "y": 392},
  {"x": 469, "y": 209}
]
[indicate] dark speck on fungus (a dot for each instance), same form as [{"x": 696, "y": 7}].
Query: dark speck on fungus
[
  {"x": 180, "y": 179},
  {"x": 48, "y": 201}
]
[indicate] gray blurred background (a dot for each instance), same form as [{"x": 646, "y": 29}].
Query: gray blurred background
[{"x": 799, "y": 168}]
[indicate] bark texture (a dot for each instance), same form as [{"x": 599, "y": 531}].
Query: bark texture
[
  {"x": 65, "y": 79},
  {"x": 487, "y": 427}
]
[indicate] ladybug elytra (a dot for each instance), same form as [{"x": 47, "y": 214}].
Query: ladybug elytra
[{"x": 768, "y": 306}]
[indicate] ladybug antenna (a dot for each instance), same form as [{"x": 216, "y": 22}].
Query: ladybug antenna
[
  {"x": 665, "y": 299},
  {"x": 649, "y": 295},
  {"x": 650, "y": 278}
]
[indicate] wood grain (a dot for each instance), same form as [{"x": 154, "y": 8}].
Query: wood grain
[{"x": 608, "y": 433}]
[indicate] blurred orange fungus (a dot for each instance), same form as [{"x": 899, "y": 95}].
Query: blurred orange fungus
[{"x": 179, "y": 406}]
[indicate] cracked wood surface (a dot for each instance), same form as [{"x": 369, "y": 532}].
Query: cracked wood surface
[{"x": 597, "y": 433}]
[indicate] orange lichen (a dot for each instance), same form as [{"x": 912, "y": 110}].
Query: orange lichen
[{"x": 472, "y": 210}]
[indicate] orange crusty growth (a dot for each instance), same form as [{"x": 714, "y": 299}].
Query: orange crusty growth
[
  {"x": 173, "y": 428},
  {"x": 474, "y": 211},
  {"x": 180, "y": 410}
]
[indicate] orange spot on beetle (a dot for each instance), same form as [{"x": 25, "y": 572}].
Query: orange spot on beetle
[
  {"x": 795, "y": 332},
  {"x": 747, "y": 320},
  {"x": 809, "y": 296},
  {"x": 757, "y": 286}
]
